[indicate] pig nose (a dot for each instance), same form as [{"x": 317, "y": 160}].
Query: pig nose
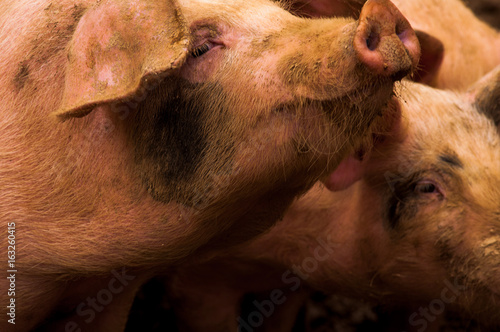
[{"x": 385, "y": 41}]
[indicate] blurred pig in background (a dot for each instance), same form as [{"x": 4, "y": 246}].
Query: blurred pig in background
[{"x": 421, "y": 228}]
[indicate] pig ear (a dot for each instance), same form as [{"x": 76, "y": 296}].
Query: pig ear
[
  {"x": 349, "y": 171},
  {"x": 485, "y": 95},
  {"x": 116, "y": 47},
  {"x": 432, "y": 52}
]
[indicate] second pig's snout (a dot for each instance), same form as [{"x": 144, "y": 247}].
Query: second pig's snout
[{"x": 385, "y": 41}]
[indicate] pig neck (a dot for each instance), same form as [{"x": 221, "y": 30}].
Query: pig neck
[{"x": 321, "y": 218}]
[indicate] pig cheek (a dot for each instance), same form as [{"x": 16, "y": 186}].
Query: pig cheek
[
  {"x": 265, "y": 126},
  {"x": 431, "y": 233},
  {"x": 260, "y": 86},
  {"x": 413, "y": 259},
  {"x": 488, "y": 253},
  {"x": 407, "y": 214},
  {"x": 478, "y": 244},
  {"x": 183, "y": 140},
  {"x": 203, "y": 68}
]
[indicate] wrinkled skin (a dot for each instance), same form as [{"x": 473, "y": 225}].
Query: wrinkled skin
[
  {"x": 448, "y": 32},
  {"x": 134, "y": 133},
  {"x": 422, "y": 225}
]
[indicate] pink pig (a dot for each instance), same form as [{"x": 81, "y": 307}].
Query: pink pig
[
  {"x": 421, "y": 227},
  {"x": 135, "y": 134}
]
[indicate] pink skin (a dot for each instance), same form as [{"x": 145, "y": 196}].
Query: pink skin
[
  {"x": 123, "y": 146},
  {"x": 348, "y": 172}
]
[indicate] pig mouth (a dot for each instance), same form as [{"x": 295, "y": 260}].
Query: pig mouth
[
  {"x": 352, "y": 168},
  {"x": 361, "y": 112},
  {"x": 365, "y": 102}
]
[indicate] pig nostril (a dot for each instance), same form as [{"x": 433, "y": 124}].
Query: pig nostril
[
  {"x": 402, "y": 34},
  {"x": 372, "y": 41},
  {"x": 399, "y": 31},
  {"x": 385, "y": 41}
]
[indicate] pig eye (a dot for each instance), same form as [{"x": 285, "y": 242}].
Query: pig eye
[
  {"x": 199, "y": 51},
  {"x": 404, "y": 203},
  {"x": 427, "y": 187}
]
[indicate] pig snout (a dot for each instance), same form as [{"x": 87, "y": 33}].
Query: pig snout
[{"x": 385, "y": 41}]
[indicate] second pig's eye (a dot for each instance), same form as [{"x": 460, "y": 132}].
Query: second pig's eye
[
  {"x": 426, "y": 188},
  {"x": 199, "y": 51}
]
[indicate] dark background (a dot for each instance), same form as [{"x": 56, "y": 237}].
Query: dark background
[{"x": 487, "y": 10}]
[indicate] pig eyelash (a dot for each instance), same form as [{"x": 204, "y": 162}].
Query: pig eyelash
[
  {"x": 415, "y": 187},
  {"x": 199, "y": 51},
  {"x": 426, "y": 187}
]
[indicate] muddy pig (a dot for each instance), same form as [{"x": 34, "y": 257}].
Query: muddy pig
[
  {"x": 448, "y": 31},
  {"x": 421, "y": 226},
  {"x": 134, "y": 133}
]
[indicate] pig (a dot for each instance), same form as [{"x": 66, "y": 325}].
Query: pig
[
  {"x": 136, "y": 134},
  {"x": 457, "y": 47},
  {"x": 422, "y": 226}
]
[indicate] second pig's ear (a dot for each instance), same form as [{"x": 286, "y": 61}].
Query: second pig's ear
[
  {"x": 485, "y": 95},
  {"x": 432, "y": 53},
  {"x": 116, "y": 47}
]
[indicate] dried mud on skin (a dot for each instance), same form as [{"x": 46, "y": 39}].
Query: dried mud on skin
[{"x": 151, "y": 311}]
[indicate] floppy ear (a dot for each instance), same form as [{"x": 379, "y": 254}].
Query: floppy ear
[
  {"x": 432, "y": 53},
  {"x": 117, "y": 45},
  {"x": 485, "y": 95}
]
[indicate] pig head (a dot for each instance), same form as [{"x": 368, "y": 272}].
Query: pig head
[
  {"x": 420, "y": 227},
  {"x": 426, "y": 213},
  {"x": 135, "y": 132},
  {"x": 437, "y": 200}
]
